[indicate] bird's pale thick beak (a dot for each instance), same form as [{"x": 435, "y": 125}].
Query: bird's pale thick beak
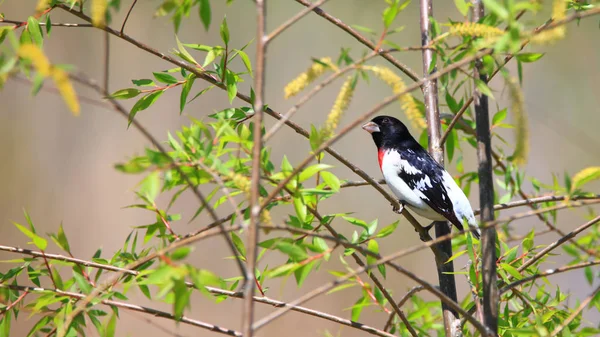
[{"x": 371, "y": 127}]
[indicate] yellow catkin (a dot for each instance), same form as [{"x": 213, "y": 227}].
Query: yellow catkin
[
  {"x": 241, "y": 182},
  {"x": 42, "y": 5},
  {"x": 475, "y": 30},
  {"x": 310, "y": 75},
  {"x": 559, "y": 12},
  {"x": 37, "y": 58},
  {"x": 65, "y": 87},
  {"x": 520, "y": 121},
  {"x": 339, "y": 108},
  {"x": 98, "y": 10},
  {"x": 407, "y": 101}
]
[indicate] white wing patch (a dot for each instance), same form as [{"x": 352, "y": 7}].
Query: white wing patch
[{"x": 460, "y": 203}]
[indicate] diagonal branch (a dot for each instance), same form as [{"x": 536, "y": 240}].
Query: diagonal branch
[
  {"x": 402, "y": 67},
  {"x": 293, "y": 20},
  {"x": 128, "y": 306}
]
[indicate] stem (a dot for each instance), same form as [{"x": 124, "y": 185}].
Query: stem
[
  {"x": 442, "y": 228},
  {"x": 491, "y": 296},
  {"x": 255, "y": 206}
]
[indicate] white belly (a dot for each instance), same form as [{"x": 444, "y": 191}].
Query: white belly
[{"x": 412, "y": 198}]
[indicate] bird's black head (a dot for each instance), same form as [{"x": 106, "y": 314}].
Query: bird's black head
[{"x": 389, "y": 132}]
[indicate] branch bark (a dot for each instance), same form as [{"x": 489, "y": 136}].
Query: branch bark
[
  {"x": 491, "y": 297},
  {"x": 255, "y": 207},
  {"x": 442, "y": 228}
]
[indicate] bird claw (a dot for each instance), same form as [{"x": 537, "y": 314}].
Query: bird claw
[{"x": 398, "y": 209}]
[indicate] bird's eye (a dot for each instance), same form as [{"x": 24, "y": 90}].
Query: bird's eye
[{"x": 386, "y": 121}]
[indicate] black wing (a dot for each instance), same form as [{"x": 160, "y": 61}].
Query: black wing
[{"x": 423, "y": 174}]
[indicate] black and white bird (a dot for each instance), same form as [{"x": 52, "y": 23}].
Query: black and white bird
[{"x": 416, "y": 178}]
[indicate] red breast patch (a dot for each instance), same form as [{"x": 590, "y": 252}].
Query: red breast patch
[{"x": 380, "y": 155}]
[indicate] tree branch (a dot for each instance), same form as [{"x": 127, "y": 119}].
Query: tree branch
[
  {"x": 405, "y": 69},
  {"x": 128, "y": 306},
  {"x": 293, "y": 20}
]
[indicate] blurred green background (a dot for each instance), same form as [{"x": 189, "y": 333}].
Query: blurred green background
[{"x": 60, "y": 168}]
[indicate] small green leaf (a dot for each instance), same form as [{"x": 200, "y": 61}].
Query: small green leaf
[
  {"x": 310, "y": 171},
  {"x": 182, "y": 298},
  {"x": 205, "y": 13},
  {"x": 150, "y": 186},
  {"x": 456, "y": 255},
  {"x": 181, "y": 253},
  {"x": 295, "y": 252},
  {"x": 385, "y": 231},
  {"x": 529, "y": 57},
  {"x": 35, "y": 31},
  {"x": 165, "y": 78},
  {"x": 61, "y": 239},
  {"x": 224, "y": 31},
  {"x": 231, "y": 84},
  {"x": 589, "y": 275},
  {"x": 125, "y": 93},
  {"x": 331, "y": 180},
  {"x": 246, "y": 61},
  {"x": 143, "y": 104},
  {"x": 511, "y": 270},
  {"x": 239, "y": 244},
  {"x": 38, "y": 241},
  {"x": 499, "y": 117},
  {"x": 483, "y": 88},
  {"x": 111, "y": 326},
  {"x": 185, "y": 90},
  {"x": 462, "y": 6}
]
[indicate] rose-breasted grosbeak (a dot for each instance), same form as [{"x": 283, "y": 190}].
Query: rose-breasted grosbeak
[{"x": 416, "y": 178}]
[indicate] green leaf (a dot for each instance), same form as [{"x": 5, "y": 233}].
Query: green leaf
[
  {"x": 205, "y": 13},
  {"x": 499, "y": 117},
  {"x": 585, "y": 176},
  {"x": 185, "y": 90},
  {"x": 111, "y": 326},
  {"x": 295, "y": 252},
  {"x": 181, "y": 253},
  {"x": 231, "y": 84},
  {"x": 483, "y": 88},
  {"x": 511, "y": 270},
  {"x": 143, "y": 104},
  {"x": 529, "y": 57},
  {"x": 385, "y": 231},
  {"x": 35, "y": 31},
  {"x": 331, "y": 180},
  {"x": 165, "y": 78},
  {"x": 246, "y": 61},
  {"x": 61, "y": 239},
  {"x": 462, "y": 6},
  {"x": 125, "y": 93},
  {"x": 184, "y": 53},
  {"x": 239, "y": 244},
  {"x": 589, "y": 275},
  {"x": 389, "y": 15},
  {"x": 456, "y": 255},
  {"x": 82, "y": 283},
  {"x": 38, "y": 241},
  {"x": 150, "y": 186},
  {"x": 310, "y": 171},
  {"x": 224, "y": 31},
  {"x": 182, "y": 298},
  {"x": 302, "y": 273}
]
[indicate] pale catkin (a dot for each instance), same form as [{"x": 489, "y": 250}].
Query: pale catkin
[
  {"x": 98, "y": 10},
  {"x": 520, "y": 120},
  {"x": 310, "y": 75},
  {"x": 559, "y": 12},
  {"x": 474, "y": 29},
  {"x": 407, "y": 101},
  {"x": 243, "y": 184},
  {"x": 339, "y": 108}
]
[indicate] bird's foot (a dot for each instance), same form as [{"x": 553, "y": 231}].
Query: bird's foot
[{"x": 398, "y": 209}]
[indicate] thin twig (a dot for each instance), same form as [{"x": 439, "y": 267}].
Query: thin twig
[
  {"x": 575, "y": 313},
  {"x": 548, "y": 273},
  {"x": 293, "y": 20},
  {"x": 54, "y": 24},
  {"x": 404, "y": 298},
  {"x": 402, "y": 67},
  {"x": 128, "y": 306},
  {"x": 127, "y": 16},
  {"x": 255, "y": 206}
]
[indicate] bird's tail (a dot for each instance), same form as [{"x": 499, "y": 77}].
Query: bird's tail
[{"x": 474, "y": 227}]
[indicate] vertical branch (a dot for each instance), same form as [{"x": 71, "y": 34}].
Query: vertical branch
[
  {"x": 253, "y": 230},
  {"x": 445, "y": 270},
  {"x": 486, "y": 196}
]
